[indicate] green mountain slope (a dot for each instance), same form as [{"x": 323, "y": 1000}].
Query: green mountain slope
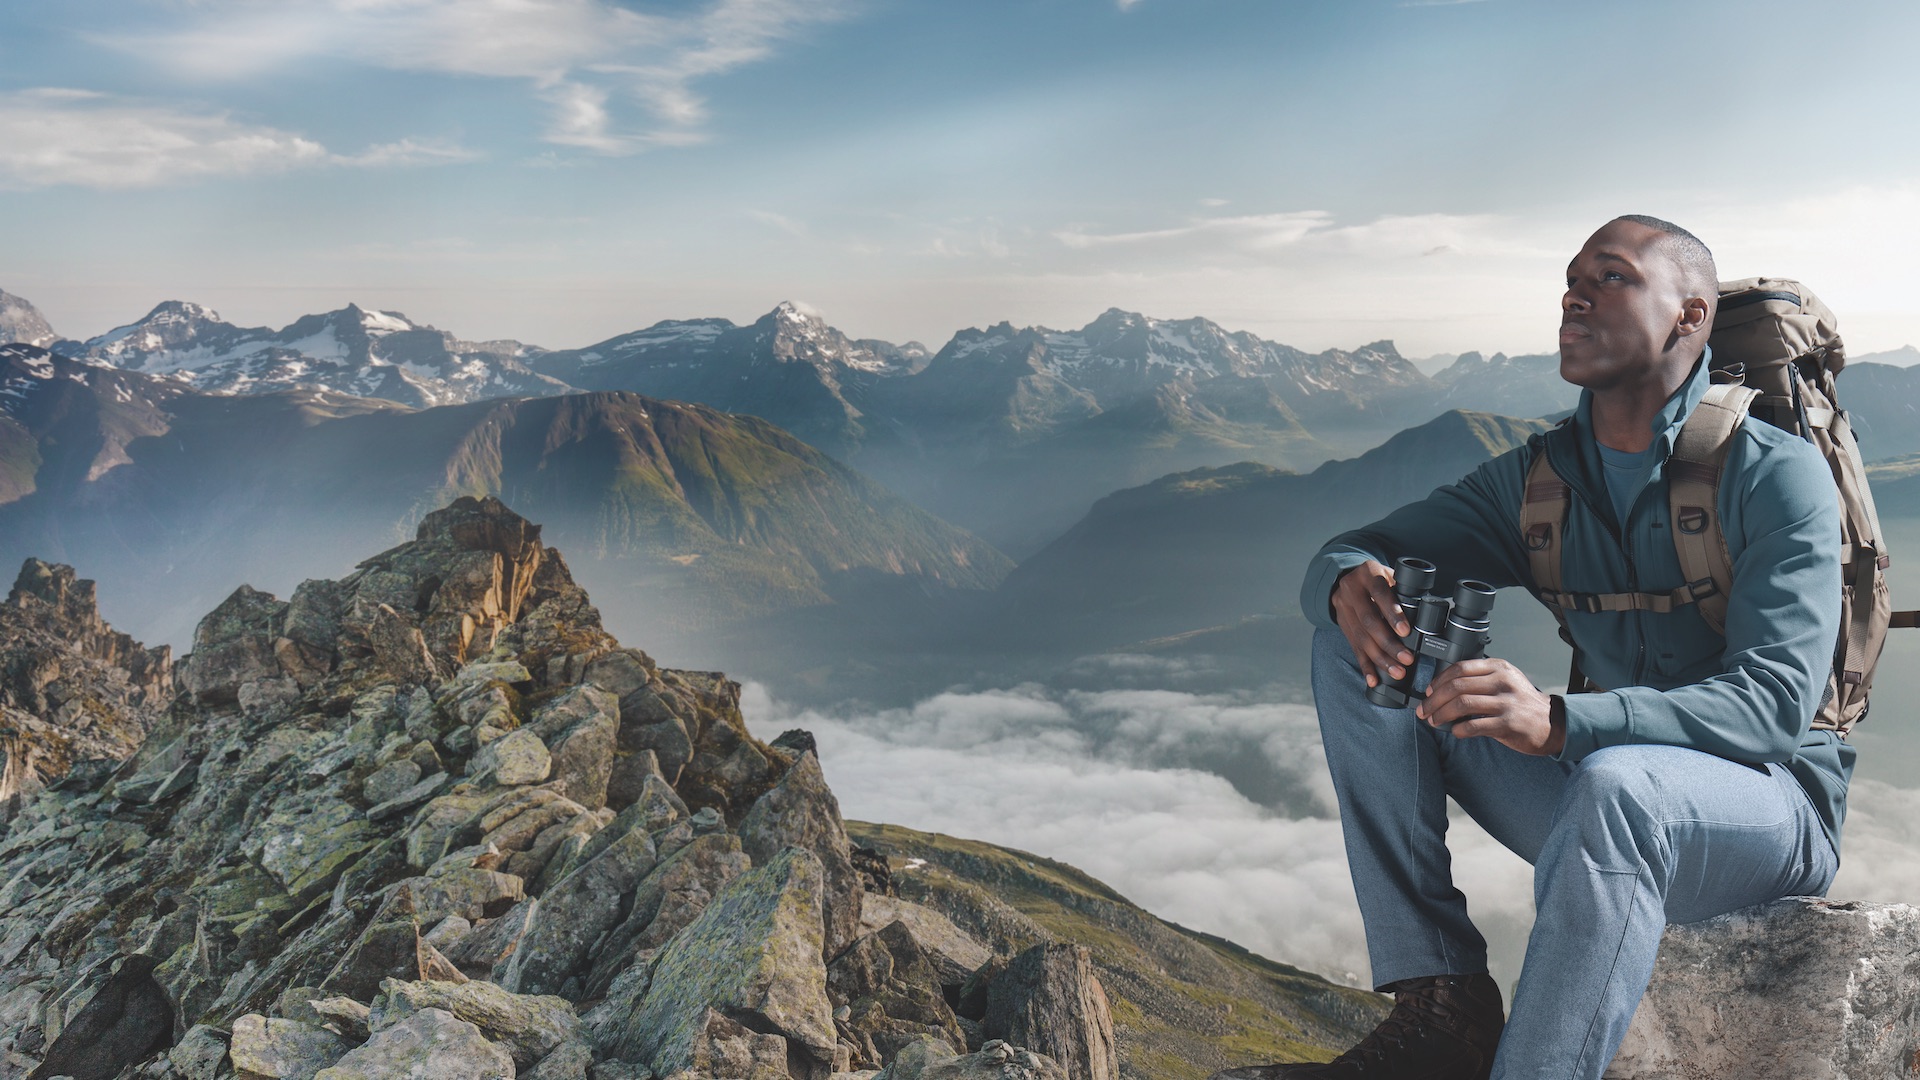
[
  {"x": 1185, "y": 1004},
  {"x": 1212, "y": 546}
]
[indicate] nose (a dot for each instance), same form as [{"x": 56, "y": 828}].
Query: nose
[{"x": 1572, "y": 303}]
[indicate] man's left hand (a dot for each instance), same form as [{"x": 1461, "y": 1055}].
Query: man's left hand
[{"x": 1492, "y": 698}]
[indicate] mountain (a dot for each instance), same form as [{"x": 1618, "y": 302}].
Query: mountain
[
  {"x": 1883, "y": 403},
  {"x": 1508, "y": 385},
  {"x": 22, "y": 322},
  {"x": 437, "y": 821},
  {"x": 1211, "y": 547},
  {"x": 684, "y": 517},
  {"x": 372, "y": 354},
  {"x": 788, "y": 367},
  {"x": 1904, "y": 356}
]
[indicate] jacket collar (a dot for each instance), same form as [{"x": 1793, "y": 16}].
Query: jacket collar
[{"x": 1577, "y": 454}]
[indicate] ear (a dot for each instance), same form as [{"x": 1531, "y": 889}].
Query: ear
[{"x": 1696, "y": 315}]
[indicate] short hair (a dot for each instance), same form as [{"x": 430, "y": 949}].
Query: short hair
[{"x": 1687, "y": 251}]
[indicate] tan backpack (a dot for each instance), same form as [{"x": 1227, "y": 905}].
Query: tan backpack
[{"x": 1776, "y": 350}]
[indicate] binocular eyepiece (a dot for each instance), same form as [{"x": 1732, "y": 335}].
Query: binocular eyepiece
[{"x": 1447, "y": 629}]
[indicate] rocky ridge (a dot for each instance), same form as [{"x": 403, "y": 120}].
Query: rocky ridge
[
  {"x": 431, "y": 819},
  {"x": 72, "y": 689}
]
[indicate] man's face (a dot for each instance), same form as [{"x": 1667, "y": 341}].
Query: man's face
[{"x": 1625, "y": 298}]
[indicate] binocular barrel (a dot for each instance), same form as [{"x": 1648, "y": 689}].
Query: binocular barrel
[{"x": 1447, "y": 629}]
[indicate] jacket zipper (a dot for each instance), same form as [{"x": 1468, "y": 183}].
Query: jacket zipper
[{"x": 1633, "y": 573}]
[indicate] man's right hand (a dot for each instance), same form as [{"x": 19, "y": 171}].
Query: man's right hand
[{"x": 1364, "y": 606}]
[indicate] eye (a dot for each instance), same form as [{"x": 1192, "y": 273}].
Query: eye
[{"x": 1613, "y": 275}]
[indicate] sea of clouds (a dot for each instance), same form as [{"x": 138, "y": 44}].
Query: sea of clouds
[{"x": 1210, "y": 810}]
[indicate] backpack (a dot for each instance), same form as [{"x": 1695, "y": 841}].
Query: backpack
[{"x": 1776, "y": 350}]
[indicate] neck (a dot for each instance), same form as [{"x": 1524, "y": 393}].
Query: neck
[{"x": 1623, "y": 415}]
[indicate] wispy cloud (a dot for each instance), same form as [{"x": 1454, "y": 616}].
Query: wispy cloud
[
  {"x": 779, "y": 221},
  {"x": 56, "y": 136},
  {"x": 1255, "y": 230},
  {"x": 617, "y": 80}
]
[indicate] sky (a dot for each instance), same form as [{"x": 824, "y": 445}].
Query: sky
[{"x": 1321, "y": 172}]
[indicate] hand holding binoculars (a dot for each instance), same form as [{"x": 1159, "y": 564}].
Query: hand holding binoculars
[{"x": 1447, "y": 629}]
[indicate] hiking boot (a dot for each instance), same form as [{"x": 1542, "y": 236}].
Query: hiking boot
[{"x": 1442, "y": 1027}]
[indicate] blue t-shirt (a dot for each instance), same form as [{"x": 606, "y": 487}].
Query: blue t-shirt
[{"x": 1626, "y": 475}]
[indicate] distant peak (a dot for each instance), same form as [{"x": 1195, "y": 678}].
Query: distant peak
[
  {"x": 796, "y": 311},
  {"x": 175, "y": 311},
  {"x": 1384, "y": 347}
]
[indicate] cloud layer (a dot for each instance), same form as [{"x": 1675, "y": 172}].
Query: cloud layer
[{"x": 1132, "y": 787}]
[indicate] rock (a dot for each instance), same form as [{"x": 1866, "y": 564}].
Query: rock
[
  {"x": 577, "y": 912},
  {"x": 800, "y": 811},
  {"x": 646, "y": 723},
  {"x": 928, "y": 1060},
  {"x": 486, "y": 947},
  {"x": 435, "y": 967},
  {"x": 571, "y": 1060},
  {"x": 388, "y": 948},
  {"x": 408, "y": 799},
  {"x": 580, "y": 727},
  {"x": 199, "y": 1054},
  {"x": 126, "y": 1020},
  {"x": 1049, "y": 1000},
  {"x": 753, "y": 953},
  {"x": 519, "y": 757},
  {"x": 876, "y": 876},
  {"x": 529, "y": 1026},
  {"x": 428, "y": 1043},
  {"x": 391, "y": 779},
  {"x": 233, "y": 647},
  {"x": 468, "y": 892},
  {"x": 893, "y": 997},
  {"x": 350, "y": 1017},
  {"x": 669, "y": 899},
  {"x": 953, "y": 952},
  {"x": 274, "y": 1049},
  {"x": 1804, "y": 987}
]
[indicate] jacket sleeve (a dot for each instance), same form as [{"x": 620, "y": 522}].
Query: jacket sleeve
[
  {"x": 1783, "y": 620},
  {"x": 1468, "y": 529}
]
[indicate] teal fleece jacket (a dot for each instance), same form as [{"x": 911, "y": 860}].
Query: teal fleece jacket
[{"x": 1749, "y": 696}]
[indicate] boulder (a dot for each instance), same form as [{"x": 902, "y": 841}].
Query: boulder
[
  {"x": 576, "y": 913},
  {"x": 1049, "y": 1000},
  {"x": 199, "y": 1054},
  {"x": 752, "y": 955},
  {"x": 528, "y": 1026},
  {"x": 801, "y": 811},
  {"x": 1803, "y": 988},
  {"x": 669, "y": 899},
  {"x": 428, "y": 1043},
  {"x": 519, "y": 757},
  {"x": 954, "y": 953},
  {"x": 580, "y": 726},
  {"x": 893, "y": 997},
  {"x": 274, "y": 1049},
  {"x": 233, "y": 647},
  {"x": 997, "y": 1060}
]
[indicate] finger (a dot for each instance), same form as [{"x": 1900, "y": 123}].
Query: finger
[
  {"x": 1389, "y": 606},
  {"x": 1478, "y": 726},
  {"x": 1363, "y": 660},
  {"x": 1466, "y": 707},
  {"x": 1388, "y": 647}
]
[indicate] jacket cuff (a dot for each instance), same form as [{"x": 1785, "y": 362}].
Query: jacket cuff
[
  {"x": 1316, "y": 593},
  {"x": 1594, "y": 721}
]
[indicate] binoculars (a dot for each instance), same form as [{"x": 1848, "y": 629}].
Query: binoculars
[{"x": 1448, "y": 630}]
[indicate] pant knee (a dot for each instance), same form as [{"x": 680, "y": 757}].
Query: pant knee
[{"x": 1611, "y": 807}]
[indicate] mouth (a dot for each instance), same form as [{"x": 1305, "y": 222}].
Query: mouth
[{"x": 1573, "y": 331}]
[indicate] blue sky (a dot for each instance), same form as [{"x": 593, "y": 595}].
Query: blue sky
[{"x": 1323, "y": 172}]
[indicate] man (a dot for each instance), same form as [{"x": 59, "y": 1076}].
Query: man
[{"x": 1691, "y": 786}]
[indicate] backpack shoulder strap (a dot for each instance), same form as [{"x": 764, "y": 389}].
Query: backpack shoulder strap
[
  {"x": 1693, "y": 497},
  {"x": 1543, "y": 518}
]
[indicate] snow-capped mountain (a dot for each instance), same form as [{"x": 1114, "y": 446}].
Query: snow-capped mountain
[
  {"x": 22, "y": 322},
  {"x": 373, "y": 354},
  {"x": 789, "y": 366}
]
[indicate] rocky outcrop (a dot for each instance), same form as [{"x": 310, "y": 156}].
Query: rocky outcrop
[
  {"x": 1049, "y": 999},
  {"x": 1798, "y": 989},
  {"x": 431, "y": 820},
  {"x": 73, "y": 691}
]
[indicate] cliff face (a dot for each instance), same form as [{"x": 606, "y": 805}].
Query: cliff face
[{"x": 72, "y": 689}]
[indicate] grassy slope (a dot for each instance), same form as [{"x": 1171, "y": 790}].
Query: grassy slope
[{"x": 1185, "y": 1004}]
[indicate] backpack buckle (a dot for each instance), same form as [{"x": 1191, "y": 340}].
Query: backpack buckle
[{"x": 1700, "y": 590}]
